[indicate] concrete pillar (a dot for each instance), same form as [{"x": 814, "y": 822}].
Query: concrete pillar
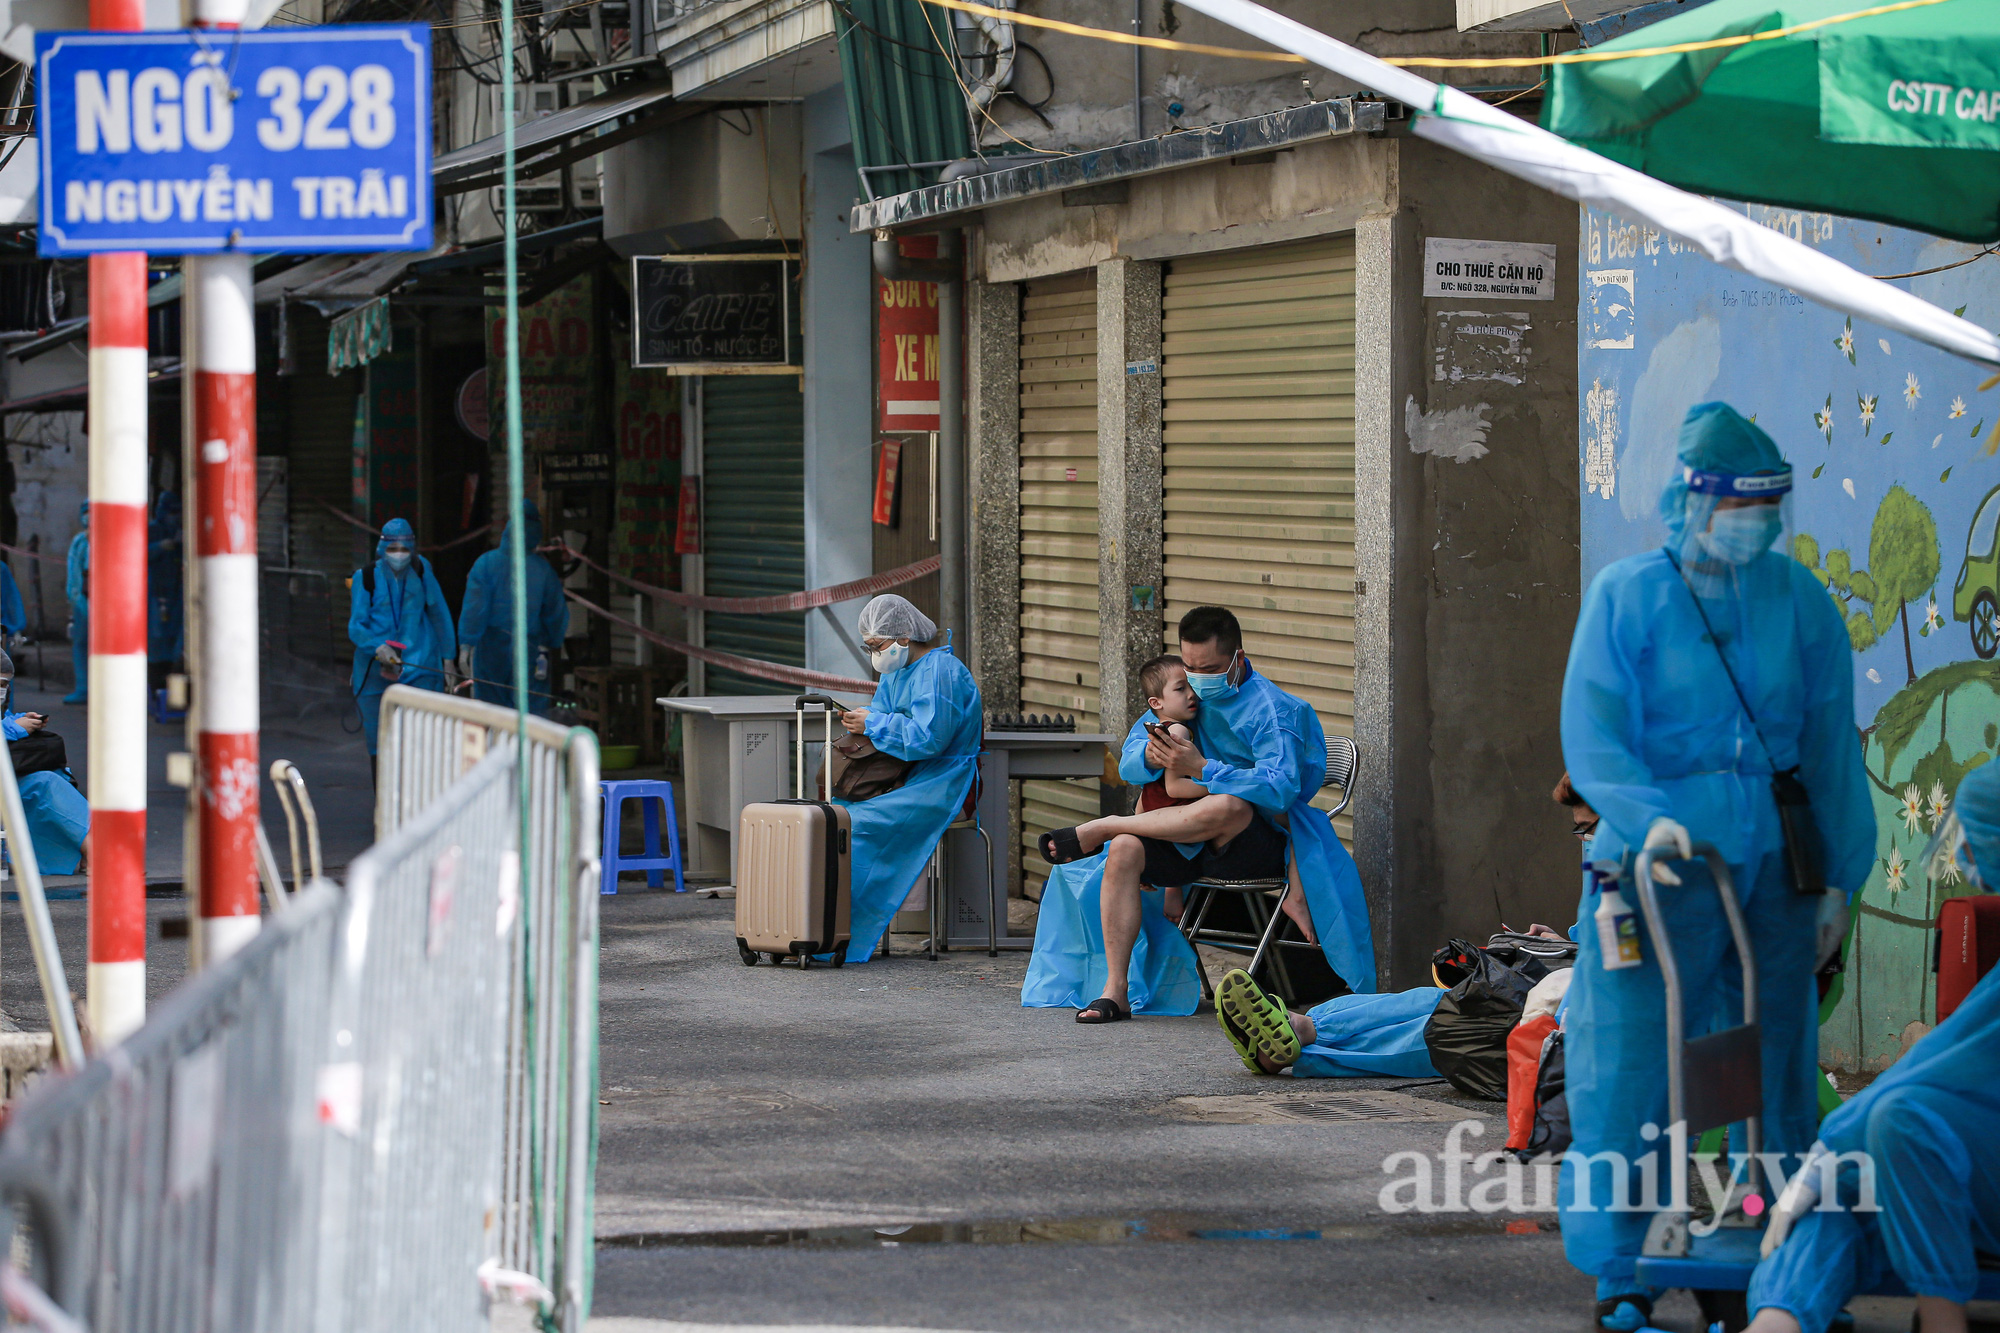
[
  {"x": 993, "y": 450},
  {"x": 1391, "y": 810},
  {"x": 837, "y": 320},
  {"x": 1129, "y": 548}
]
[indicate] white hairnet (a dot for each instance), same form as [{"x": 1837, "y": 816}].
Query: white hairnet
[{"x": 891, "y": 617}]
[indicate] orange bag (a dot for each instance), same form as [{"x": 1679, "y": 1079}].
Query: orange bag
[{"x": 1524, "y": 1063}]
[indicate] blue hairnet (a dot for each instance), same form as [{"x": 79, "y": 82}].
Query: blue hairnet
[
  {"x": 83, "y": 512},
  {"x": 396, "y": 529},
  {"x": 1978, "y": 806}
]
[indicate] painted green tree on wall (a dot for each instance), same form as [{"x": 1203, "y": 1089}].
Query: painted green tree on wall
[{"x": 1903, "y": 562}]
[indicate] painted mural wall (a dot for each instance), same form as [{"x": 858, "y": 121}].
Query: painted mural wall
[{"x": 1897, "y": 509}]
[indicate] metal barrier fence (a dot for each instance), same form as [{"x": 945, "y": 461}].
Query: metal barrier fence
[
  {"x": 414, "y": 1063},
  {"x": 183, "y": 1152},
  {"x": 549, "y": 1153},
  {"x": 309, "y": 1135}
]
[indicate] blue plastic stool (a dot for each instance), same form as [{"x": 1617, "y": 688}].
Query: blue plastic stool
[{"x": 654, "y": 795}]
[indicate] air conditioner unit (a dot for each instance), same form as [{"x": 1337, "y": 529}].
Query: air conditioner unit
[
  {"x": 541, "y": 195},
  {"x": 586, "y": 183}
]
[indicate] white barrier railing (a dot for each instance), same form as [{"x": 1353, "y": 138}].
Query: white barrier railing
[{"x": 427, "y": 740}]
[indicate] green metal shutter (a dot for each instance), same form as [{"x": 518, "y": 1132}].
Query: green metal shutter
[
  {"x": 904, "y": 100},
  {"x": 754, "y": 524}
]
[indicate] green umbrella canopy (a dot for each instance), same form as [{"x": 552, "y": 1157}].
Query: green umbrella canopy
[{"x": 1894, "y": 117}]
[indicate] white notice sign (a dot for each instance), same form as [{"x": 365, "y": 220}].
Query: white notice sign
[{"x": 1514, "y": 270}]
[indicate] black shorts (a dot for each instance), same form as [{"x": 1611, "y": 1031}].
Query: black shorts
[{"x": 1258, "y": 852}]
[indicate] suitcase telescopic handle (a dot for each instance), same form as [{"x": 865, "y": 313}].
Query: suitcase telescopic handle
[{"x": 828, "y": 707}]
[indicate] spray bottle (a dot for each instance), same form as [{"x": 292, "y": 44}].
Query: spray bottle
[{"x": 1617, "y": 926}]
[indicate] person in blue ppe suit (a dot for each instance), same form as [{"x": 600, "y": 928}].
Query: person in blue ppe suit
[
  {"x": 77, "y": 585},
  {"x": 1252, "y": 742},
  {"x": 58, "y": 815},
  {"x": 486, "y": 621},
  {"x": 399, "y": 625},
  {"x": 1927, "y": 1129},
  {"x": 1660, "y": 746},
  {"x": 926, "y": 710},
  {"x": 164, "y": 626}
]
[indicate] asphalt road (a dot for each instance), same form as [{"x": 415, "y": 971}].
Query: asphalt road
[{"x": 759, "y": 1124}]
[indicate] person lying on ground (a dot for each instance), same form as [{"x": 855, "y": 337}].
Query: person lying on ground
[
  {"x": 1350, "y": 1036},
  {"x": 1269, "y": 759},
  {"x": 1925, "y": 1131}
]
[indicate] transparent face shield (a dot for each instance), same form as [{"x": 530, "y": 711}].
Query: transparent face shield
[{"x": 1728, "y": 522}]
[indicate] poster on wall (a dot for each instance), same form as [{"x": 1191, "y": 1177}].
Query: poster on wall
[
  {"x": 647, "y": 420},
  {"x": 558, "y": 374},
  {"x": 906, "y": 346},
  {"x": 1896, "y": 512}
]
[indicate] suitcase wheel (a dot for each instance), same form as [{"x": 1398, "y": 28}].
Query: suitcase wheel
[
  {"x": 805, "y": 961},
  {"x": 840, "y": 954},
  {"x": 748, "y": 954}
]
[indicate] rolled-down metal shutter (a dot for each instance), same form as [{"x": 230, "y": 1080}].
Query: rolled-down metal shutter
[
  {"x": 754, "y": 519},
  {"x": 1058, "y": 534},
  {"x": 1257, "y": 379}
]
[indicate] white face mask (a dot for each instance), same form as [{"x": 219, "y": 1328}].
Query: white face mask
[
  {"x": 894, "y": 657},
  {"x": 398, "y": 560}
]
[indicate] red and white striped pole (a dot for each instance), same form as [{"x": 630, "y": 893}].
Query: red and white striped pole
[
  {"x": 115, "y": 980},
  {"x": 219, "y": 346}
]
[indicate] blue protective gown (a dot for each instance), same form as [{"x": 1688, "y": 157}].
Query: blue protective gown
[
  {"x": 1929, "y": 1126},
  {"x": 1067, "y": 969},
  {"x": 410, "y": 609},
  {"x": 927, "y": 712},
  {"x": 1371, "y": 1036},
  {"x": 58, "y": 815},
  {"x": 1267, "y": 747},
  {"x": 164, "y": 610},
  {"x": 1651, "y": 728},
  {"x": 77, "y": 586},
  {"x": 486, "y": 620},
  {"x": 13, "y": 612}
]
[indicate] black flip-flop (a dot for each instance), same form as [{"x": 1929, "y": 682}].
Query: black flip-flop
[
  {"x": 1060, "y": 846},
  {"x": 1103, "y": 1009}
]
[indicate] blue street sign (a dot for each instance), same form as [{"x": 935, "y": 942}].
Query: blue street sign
[{"x": 298, "y": 139}]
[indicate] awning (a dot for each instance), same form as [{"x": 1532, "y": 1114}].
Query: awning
[
  {"x": 70, "y": 330},
  {"x": 540, "y": 146},
  {"x": 1332, "y": 119},
  {"x": 357, "y": 283}
]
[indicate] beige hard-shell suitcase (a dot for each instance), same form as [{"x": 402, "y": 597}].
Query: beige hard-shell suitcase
[{"x": 792, "y": 868}]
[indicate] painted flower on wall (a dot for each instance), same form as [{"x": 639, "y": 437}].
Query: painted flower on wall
[
  {"x": 1896, "y": 868},
  {"x": 1913, "y": 807},
  {"x": 1911, "y": 391},
  {"x": 1867, "y": 402},
  {"x": 1948, "y": 869},
  {"x": 1824, "y": 419},
  {"x": 1937, "y": 805},
  {"x": 1957, "y": 408},
  {"x": 1932, "y": 619},
  {"x": 1845, "y": 342}
]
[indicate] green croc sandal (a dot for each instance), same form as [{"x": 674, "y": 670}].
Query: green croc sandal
[
  {"x": 1245, "y": 1044},
  {"x": 1265, "y": 1027}
]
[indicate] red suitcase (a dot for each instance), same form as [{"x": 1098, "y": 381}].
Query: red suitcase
[{"x": 1968, "y": 946}]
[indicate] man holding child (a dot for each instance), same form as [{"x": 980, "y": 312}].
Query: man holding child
[{"x": 1227, "y": 763}]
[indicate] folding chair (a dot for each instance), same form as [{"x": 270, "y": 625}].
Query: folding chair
[{"x": 1265, "y": 941}]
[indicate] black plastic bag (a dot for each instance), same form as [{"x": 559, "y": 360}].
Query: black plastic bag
[{"x": 1467, "y": 1035}]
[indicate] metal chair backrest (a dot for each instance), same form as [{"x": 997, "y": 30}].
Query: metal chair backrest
[{"x": 1343, "y": 761}]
